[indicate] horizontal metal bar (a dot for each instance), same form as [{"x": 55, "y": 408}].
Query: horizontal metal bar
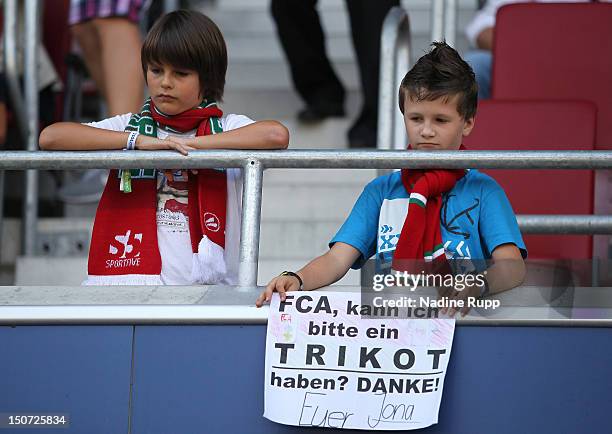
[
  {"x": 326, "y": 159},
  {"x": 565, "y": 224}
]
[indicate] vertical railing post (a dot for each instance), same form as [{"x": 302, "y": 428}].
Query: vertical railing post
[
  {"x": 251, "y": 219},
  {"x": 170, "y": 5},
  {"x": 11, "y": 69},
  {"x": 11, "y": 73},
  {"x": 450, "y": 22},
  {"x": 384, "y": 138},
  {"x": 32, "y": 37},
  {"x": 402, "y": 63},
  {"x": 395, "y": 58},
  {"x": 437, "y": 20}
]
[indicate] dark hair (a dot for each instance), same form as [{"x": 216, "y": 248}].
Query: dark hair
[
  {"x": 190, "y": 40},
  {"x": 441, "y": 73}
]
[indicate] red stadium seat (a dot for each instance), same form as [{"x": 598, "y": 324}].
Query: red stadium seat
[
  {"x": 541, "y": 125},
  {"x": 556, "y": 51},
  {"x": 560, "y": 51}
]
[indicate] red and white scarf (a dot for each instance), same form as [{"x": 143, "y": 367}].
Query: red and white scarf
[
  {"x": 420, "y": 246},
  {"x": 124, "y": 249}
]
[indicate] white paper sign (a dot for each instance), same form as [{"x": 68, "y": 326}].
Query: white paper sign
[{"x": 327, "y": 365}]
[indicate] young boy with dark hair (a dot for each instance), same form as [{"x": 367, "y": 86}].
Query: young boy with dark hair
[
  {"x": 426, "y": 216},
  {"x": 173, "y": 228}
]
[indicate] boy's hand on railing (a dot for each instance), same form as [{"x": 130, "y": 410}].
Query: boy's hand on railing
[
  {"x": 185, "y": 142},
  {"x": 146, "y": 143},
  {"x": 450, "y": 295},
  {"x": 280, "y": 284}
]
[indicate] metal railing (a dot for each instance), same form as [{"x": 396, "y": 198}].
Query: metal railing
[
  {"x": 254, "y": 163},
  {"x": 32, "y": 30},
  {"x": 394, "y": 61},
  {"x": 444, "y": 21},
  {"x": 171, "y": 5},
  {"x": 26, "y": 112}
]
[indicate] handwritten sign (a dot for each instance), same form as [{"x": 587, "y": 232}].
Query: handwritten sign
[{"x": 329, "y": 365}]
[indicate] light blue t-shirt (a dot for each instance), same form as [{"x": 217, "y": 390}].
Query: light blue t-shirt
[{"x": 476, "y": 217}]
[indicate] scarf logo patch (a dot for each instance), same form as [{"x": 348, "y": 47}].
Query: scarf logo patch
[
  {"x": 125, "y": 249},
  {"x": 211, "y": 222}
]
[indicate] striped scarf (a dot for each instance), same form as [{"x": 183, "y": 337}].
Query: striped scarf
[
  {"x": 146, "y": 123},
  {"x": 420, "y": 246},
  {"x": 124, "y": 249}
]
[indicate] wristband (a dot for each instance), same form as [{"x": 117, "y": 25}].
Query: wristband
[
  {"x": 131, "y": 141},
  {"x": 291, "y": 273}
]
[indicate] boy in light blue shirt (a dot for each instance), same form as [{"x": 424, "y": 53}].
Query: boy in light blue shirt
[{"x": 427, "y": 215}]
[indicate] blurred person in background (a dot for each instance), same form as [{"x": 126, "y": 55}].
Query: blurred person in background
[
  {"x": 301, "y": 36},
  {"x": 108, "y": 34},
  {"x": 48, "y": 79}
]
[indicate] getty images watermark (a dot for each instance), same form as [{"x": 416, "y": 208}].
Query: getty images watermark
[
  {"x": 448, "y": 286},
  {"x": 553, "y": 288},
  {"x": 459, "y": 286}
]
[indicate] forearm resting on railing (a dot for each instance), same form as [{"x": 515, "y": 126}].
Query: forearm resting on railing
[
  {"x": 72, "y": 136},
  {"x": 329, "y": 267},
  {"x": 507, "y": 270}
]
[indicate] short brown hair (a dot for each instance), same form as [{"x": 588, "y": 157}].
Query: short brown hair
[
  {"x": 190, "y": 40},
  {"x": 441, "y": 73}
]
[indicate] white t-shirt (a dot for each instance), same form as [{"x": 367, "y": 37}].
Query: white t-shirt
[{"x": 173, "y": 238}]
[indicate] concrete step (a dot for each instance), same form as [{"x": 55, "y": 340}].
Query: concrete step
[
  {"x": 327, "y": 5},
  {"x": 266, "y": 47},
  {"x": 49, "y": 271},
  {"x": 308, "y": 178},
  {"x": 329, "y": 134},
  {"x": 256, "y": 73},
  {"x": 60, "y": 237},
  {"x": 261, "y": 74},
  {"x": 259, "y": 5},
  {"x": 260, "y": 22},
  {"x": 298, "y": 239},
  {"x": 335, "y": 22},
  {"x": 310, "y": 203}
]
